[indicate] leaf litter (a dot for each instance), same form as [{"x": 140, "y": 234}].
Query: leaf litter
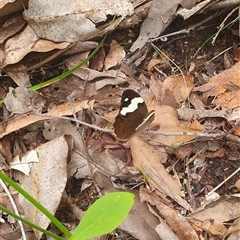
[{"x": 183, "y": 171}]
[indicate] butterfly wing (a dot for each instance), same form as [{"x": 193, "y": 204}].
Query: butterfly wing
[{"x": 124, "y": 127}]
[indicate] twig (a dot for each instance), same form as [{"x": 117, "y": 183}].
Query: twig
[
  {"x": 78, "y": 121},
  {"x": 163, "y": 38},
  {"x": 222, "y": 24},
  {"x": 14, "y": 208},
  {"x": 225, "y": 180},
  {"x": 211, "y": 135},
  {"x": 84, "y": 147}
]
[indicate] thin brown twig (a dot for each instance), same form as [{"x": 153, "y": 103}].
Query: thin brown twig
[
  {"x": 202, "y": 134},
  {"x": 84, "y": 147}
]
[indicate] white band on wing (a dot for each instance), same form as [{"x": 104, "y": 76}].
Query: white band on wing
[{"x": 132, "y": 106}]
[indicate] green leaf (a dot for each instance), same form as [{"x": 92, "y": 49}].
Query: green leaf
[{"x": 105, "y": 215}]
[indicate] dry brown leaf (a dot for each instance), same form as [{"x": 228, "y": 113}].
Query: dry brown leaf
[
  {"x": 219, "y": 153},
  {"x": 152, "y": 63},
  {"x": 46, "y": 182},
  {"x": 222, "y": 210},
  {"x": 178, "y": 223},
  {"x": 11, "y": 6},
  {"x": 179, "y": 86},
  {"x": 101, "y": 79},
  {"x": 213, "y": 227},
  {"x": 147, "y": 159},
  {"x": 168, "y": 119},
  {"x": 115, "y": 56},
  {"x": 234, "y": 229},
  {"x": 229, "y": 100},
  {"x": 23, "y": 121},
  {"x": 228, "y": 80},
  {"x": 11, "y": 27}
]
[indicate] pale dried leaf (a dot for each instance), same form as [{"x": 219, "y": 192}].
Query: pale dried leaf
[
  {"x": 22, "y": 100},
  {"x": 72, "y": 21},
  {"x": 20, "y": 78},
  {"x": 47, "y": 181},
  {"x": 186, "y": 13}
]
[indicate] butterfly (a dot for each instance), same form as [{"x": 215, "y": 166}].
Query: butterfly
[{"x": 133, "y": 116}]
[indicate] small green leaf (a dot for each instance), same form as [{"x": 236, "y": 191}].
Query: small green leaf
[{"x": 105, "y": 215}]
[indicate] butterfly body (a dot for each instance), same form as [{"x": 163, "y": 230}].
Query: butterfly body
[{"x": 133, "y": 116}]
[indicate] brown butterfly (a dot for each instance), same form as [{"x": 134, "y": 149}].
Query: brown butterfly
[{"x": 133, "y": 116}]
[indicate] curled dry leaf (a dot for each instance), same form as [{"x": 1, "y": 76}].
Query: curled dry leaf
[
  {"x": 11, "y": 27},
  {"x": 72, "y": 21},
  {"x": 29, "y": 42},
  {"x": 179, "y": 86},
  {"x": 225, "y": 87},
  {"x": 46, "y": 182},
  {"x": 24, "y": 162}
]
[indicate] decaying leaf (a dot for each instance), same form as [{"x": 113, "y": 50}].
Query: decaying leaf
[
  {"x": 148, "y": 160},
  {"x": 159, "y": 17},
  {"x": 46, "y": 182},
  {"x": 22, "y": 100}
]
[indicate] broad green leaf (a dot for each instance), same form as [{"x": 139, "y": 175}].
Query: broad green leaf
[{"x": 105, "y": 215}]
